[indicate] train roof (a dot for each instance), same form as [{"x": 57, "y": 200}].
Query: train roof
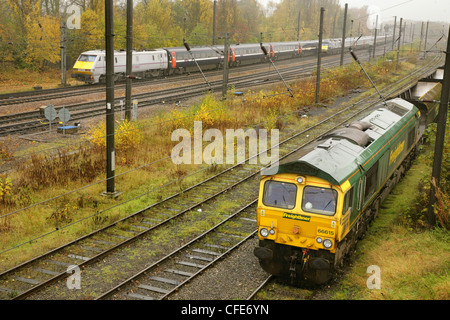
[
  {"x": 97, "y": 52},
  {"x": 337, "y": 155},
  {"x": 201, "y": 48}
]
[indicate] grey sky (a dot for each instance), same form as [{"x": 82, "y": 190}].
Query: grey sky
[{"x": 419, "y": 10}]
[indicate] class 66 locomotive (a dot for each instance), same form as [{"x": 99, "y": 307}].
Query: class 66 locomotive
[{"x": 316, "y": 204}]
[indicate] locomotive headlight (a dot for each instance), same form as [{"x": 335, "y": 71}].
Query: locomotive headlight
[
  {"x": 272, "y": 232},
  {"x": 319, "y": 240},
  {"x": 327, "y": 243},
  {"x": 264, "y": 232},
  {"x": 300, "y": 180}
]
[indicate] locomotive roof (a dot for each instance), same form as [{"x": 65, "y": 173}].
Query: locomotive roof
[
  {"x": 336, "y": 155},
  {"x": 103, "y": 52}
]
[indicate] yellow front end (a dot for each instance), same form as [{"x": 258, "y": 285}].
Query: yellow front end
[
  {"x": 286, "y": 216},
  {"x": 83, "y": 67}
]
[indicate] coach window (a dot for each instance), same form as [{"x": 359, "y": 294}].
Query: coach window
[{"x": 280, "y": 194}]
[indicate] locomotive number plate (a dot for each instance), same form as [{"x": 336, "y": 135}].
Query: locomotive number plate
[{"x": 325, "y": 232}]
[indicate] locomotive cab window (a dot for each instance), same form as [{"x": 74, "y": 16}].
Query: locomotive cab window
[
  {"x": 279, "y": 194},
  {"x": 319, "y": 200},
  {"x": 87, "y": 58},
  {"x": 348, "y": 201}
]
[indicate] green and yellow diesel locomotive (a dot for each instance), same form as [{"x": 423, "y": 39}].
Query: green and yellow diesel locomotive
[{"x": 319, "y": 201}]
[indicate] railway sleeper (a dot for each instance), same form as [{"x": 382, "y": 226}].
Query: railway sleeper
[
  {"x": 139, "y": 296},
  {"x": 179, "y": 272}
]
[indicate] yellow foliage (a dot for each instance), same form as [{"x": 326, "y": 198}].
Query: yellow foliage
[
  {"x": 127, "y": 135},
  {"x": 43, "y": 38},
  {"x": 211, "y": 112},
  {"x": 91, "y": 24},
  {"x": 5, "y": 188},
  {"x": 4, "y": 151},
  {"x": 97, "y": 135}
]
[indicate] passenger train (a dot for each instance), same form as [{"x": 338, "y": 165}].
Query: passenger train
[{"x": 90, "y": 66}]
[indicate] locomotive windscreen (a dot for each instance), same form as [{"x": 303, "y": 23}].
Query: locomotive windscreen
[
  {"x": 87, "y": 58},
  {"x": 280, "y": 194}
]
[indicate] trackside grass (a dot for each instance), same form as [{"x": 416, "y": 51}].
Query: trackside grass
[{"x": 414, "y": 262}]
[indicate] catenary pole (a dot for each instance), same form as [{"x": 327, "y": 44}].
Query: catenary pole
[
  {"x": 393, "y": 32},
  {"x": 399, "y": 40},
  {"x": 129, "y": 62},
  {"x": 63, "y": 54},
  {"x": 426, "y": 40},
  {"x": 319, "y": 54},
  {"x": 214, "y": 23},
  {"x": 225, "y": 66},
  {"x": 421, "y": 37},
  {"x": 344, "y": 29},
  {"x": 375, "y": 38},
  {"x": 109, "y": 45}
]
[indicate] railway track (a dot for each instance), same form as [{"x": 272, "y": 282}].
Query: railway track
[
  {"x": 261, "y": 286},
  {"x": 101, "y": 249},
  {"x": 8, "y": 99},
  {"x": 25, "y": 122},
  {"x": 189, "y": 260}
]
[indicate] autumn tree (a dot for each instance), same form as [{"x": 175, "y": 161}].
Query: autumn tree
[
  {"x": 30, "y": 34},
  {"x": 8, "y": 47},
  {"x": 154, "y": 24},
  {"x": 43, "y": 37},
  {"x": 194, "y": 18},
  {"x": 250, "y": 22}
]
